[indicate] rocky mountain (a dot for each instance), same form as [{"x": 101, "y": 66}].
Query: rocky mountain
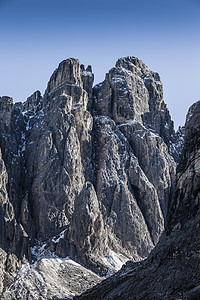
[
  {"x": 87, "y": 175},
  {"x": 172, "y": 269}
]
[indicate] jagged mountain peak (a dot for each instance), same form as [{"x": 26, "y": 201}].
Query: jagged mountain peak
[
  {"x": 69, "y": 71},
  {"x": 6, "y": 104},
  {"x": 133, "y": 64},
  {"x": 172, "y": 269},
  {"x": 73, "y": 79},
  {"x": 131, "y": 91},
  {"x": 192, "y": 114},
  {"x": 91, "y": 166}
]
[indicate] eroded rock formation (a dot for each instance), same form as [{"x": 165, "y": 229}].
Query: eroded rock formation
[
  {"x": 92, "y": 166},
  {"x": 172, "y": 269}
]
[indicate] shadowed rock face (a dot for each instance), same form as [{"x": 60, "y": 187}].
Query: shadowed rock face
[
  {"x": 89, "y": 165},
  {"x": 172, "y": 269}
]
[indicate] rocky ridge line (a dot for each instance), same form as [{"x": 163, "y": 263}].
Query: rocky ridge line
[
  {"x": 172, "y": 269},
  {"x": 91, "y": 163}
]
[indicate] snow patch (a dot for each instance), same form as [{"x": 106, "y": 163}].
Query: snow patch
[
  {"x": 64, "y": 95},
  {"x": 114, "y": 261},
  {"x": 76, "y": 106},
  {"x": 128, "y": 122},
  {"x": 60, "y": 236},
  {"x": 87, "y": 73}
]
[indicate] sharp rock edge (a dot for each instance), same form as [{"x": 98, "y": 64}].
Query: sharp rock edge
[{"x": 87, "y": 178}]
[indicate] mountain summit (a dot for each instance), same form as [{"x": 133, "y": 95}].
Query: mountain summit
[
  {"x": 88, "y": 178},
  {"x": 172, "y": 269}
]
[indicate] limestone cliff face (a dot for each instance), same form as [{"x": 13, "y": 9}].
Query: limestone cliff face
[
  {"x": 14, "y": 242},
  {"x": 172, "y": 269},
  {"x": 188, "y": 175},
  {"x": 131, "y": 91},
  {"x": 91, "y": 166}
]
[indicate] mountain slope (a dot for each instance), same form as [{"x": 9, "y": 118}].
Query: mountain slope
[
  {"x": 172, "y": 269},
  {"x": 91, "y": 166}
]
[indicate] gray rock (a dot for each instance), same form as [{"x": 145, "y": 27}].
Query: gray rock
[
  {"x": 6, "y": 110},
  {"x": 131, "y": 91},
  {"x": 125, "y": 193},
  {"x": 32, "y": 103},
  {"x": 13, "y": 240},
  {"x": 90, "y": 166},
  {"x": 62, "y": 138},
  {"x": 177, "y": 143},
  {"x": 50, "y": 279},
  {"x": 172, "y": 269},
  {"x": 154, "y": 159}
]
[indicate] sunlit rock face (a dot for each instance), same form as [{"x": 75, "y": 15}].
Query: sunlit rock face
[
  {"x": 90, "y": 165},
  {"x": 131, "y": 91},
  {"x": 172, "y": 269}
]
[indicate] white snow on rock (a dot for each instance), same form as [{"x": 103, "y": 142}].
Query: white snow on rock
[
  {"x": 50, "y": 276},
  {"x": 114, "y": 262},
  {"x": 60, "y": 236},
  {"x": 87, "y": 73}
]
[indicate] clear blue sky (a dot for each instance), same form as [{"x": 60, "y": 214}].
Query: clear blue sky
[{"x": 35, "y": 35}]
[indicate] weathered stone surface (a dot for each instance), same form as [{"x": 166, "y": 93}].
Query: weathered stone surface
[
  {"x": 6, "y": 110},
  {"x": 131, "y": 91},
  {"x": 134, "y": 172},
  {"x": 51, "y": 278},
  {"x": 188, "y": 173},
  {"x": 89, "y": 166},
  {"x": 124, "y": 193},
  {"x": 32, "y": 102},
  {"x": 172, "y": 269},
  {"x": 68, "y": 71},
  {"x": 154, "y": 159},
  {"x": 58, "y": 134},
  {"x": 13, "y": 238},
  {"x": 61, "y": 137}
]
